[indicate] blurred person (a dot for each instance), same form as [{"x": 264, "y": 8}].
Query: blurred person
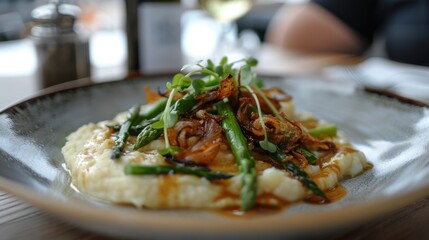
[{"x": 353, "y": 26}]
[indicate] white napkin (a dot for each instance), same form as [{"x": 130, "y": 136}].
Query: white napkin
[{"x": 405, "y": 79}]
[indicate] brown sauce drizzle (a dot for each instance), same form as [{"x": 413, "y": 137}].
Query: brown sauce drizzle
[
  {"x": 260, "y": 210},
  {"x": 167, "y": 185},
  {"x": 334, "y": 194}
]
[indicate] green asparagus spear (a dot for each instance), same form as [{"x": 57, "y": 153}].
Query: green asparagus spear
[
  {"x": 134, "y": 130},
  {"x": 134, "y": 118},
  {"x": 149, "y": 133},
  {"x": 146, "y": 136},
  {"x": 136, "y": 169},
  {"x": 330, "y": 130},
  {"x": 133, "y": 115},
  {"x": 311, "y": 157},
  {"x": 245, "y": 161},
  {"x": 154, "y": 109},
  {"x": 278, "y": 156}
]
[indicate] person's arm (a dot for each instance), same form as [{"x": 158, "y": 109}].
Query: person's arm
[{"x": 312, "y": 29}]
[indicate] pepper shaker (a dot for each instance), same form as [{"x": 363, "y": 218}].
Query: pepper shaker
[{"x": 62, "y": 52}]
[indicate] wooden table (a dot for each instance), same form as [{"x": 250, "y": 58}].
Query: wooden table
[{"x": 20, "y": 220}]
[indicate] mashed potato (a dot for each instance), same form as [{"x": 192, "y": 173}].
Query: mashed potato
[{"x": 87, "y": 155}]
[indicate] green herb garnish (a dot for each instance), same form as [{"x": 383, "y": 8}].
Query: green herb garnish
[{"x": 247, "y": 78}]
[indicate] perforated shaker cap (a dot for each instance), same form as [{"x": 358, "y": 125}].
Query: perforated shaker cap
[{"x": 56, "y": 13}]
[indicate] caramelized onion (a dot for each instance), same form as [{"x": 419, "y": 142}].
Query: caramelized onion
[
  {"x": 225, "y": 90},
  {"x": 200, "y": 139},
  {"x": 274, "y": 95},
  {"x": 278, "y": 131},
  {"x": 284, "y": 134},
  {"x": 183, "y": 131}
]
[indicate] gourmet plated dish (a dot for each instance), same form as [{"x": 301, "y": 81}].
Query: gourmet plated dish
[{"x": 215, "y": 139}]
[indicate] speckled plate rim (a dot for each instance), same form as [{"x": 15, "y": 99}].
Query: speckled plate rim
[{"x": 111, "y": 220}]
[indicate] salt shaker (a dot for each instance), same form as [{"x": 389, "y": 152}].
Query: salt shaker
[{"x": 62, "y": 52}]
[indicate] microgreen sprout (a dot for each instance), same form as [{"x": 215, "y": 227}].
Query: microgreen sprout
[
  {"x": 247, "y": 78},
  {"x": 168, "y": 118},
  {"x": 269, "y": 103}
]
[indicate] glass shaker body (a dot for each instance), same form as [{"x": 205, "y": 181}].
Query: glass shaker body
[{"x": 62, "y": 53}]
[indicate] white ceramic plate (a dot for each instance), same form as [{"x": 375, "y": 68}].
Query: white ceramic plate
[{"x": 393, "y": 135}]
